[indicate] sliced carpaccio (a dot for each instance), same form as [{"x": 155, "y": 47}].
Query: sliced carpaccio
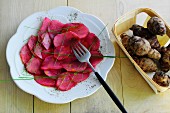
[
  {"x": 65, "y": 39},
  {"x": 45, "y": 53},
  {"x": 46, "y": 40},
  {"x": 80, "y": 29},
  {"x": 32, "y": 42},
  {"x": 25, "y": 54},
  {"x": 65, "y": 82},
  {"x": 45, "y": 81},
  {"x": 96, "y": 58},
  {"x": 33, "y": 66},
  {"x": 53, "y": 72},
  {"x": 49, "y": 56},
  {"x": 55, "y": 28},
  {"x": 44, "y": 26},
  {"x": 74, "y": 66},
  {"x": 79, "y": 77},
  {"x": 62, "y": 52},
  {"x": 51, "y": 63},
  {"x": 91, "y": 42}
]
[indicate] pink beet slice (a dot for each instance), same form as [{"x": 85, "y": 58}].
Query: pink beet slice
[
  {"x": 62, "y": 52},
  {"x": 96, "y": 58},
  {"x": 38, "y": 50},
  {"x": 74, "y": 66},
  {"x": 65, "y": 39},
  {"x": 79, "y": 77},
  {"x": 44, "y": 26},
  {"x": 51, "y": 63},
  {"x": 46, "y": 40},
  {"x": 80, "y": 29},
  {"x": 25, "y": 54},
  {"x": 45, "y": 81},
  {"x": 53, "y": 72},
  {"x": 32, "y": 42},
  {"x": 91, "y": 42},
  {"x": 87, "y": 70},
  {"x": 33, "y": 66},
  {"x": 55, "y": 27},
  {"x": 65, "y": 82},
  {"x": 45, "y": 53}
]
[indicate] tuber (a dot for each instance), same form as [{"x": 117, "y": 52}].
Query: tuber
[
  {"x": 141, "y": 47},
  {"x": 146, "y": 64},
  {"x": 161, "y": 79},
  {"x": 165, "y": 59},
  {"x": 145, "y": 33},
  {"x": 156, "y": 26}
]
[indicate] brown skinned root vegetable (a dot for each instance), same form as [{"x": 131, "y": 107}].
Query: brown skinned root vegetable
[
  {"x": 146, "y": 64},
  {"x": 156, "y": 26},
  {"x": 161, "y": 79},
  {"x": 125, "y": 41},
  {"x": 165, "y": 59},
  {"x": 141, "y": 31},
  {"x": 141, "y": 47},
  {"x": 145, "y": 33}
]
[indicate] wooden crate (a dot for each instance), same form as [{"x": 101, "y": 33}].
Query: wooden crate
[{"x": 123, "y": 24}]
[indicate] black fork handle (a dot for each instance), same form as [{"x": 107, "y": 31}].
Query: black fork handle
[{"x": 110, "y": 92}]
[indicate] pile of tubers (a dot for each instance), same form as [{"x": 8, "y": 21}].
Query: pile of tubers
[{"x": 145, "y": 49}]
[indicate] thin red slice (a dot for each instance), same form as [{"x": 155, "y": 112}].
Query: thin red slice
[
  {"x": 33, "y": 66},
  {"x": 32, "y": 42},
  {"x": 45, "y": 53},
  {"x": 65, "y": 39},
  {"x": 25, "y": 54},
  {"x": 91, "y": 42},
  {"x": 44, "y": 26},
  {"x": 80, "y": 29},
  {"x": 65, "y": 82},
  {"x": 74, "y": 66},
  {"x": 51, "y": 63},
  {"x": 35, "y": 47},
  {"x": 38, "y": 50},
  {"x": 62, "y": 52},
  {"x": 46, "y": 40},
  {"x": 53, "y": 72},
  {"x": 87, "y": 70},
  {"x": 96, "y": 58},
  {"x": 55, "y": 27},
  {"x": 79, "y": 77},
  {"x": 45, "y": 81}
]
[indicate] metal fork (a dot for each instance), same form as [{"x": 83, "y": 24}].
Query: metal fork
[{"x": 83, "y": 55}]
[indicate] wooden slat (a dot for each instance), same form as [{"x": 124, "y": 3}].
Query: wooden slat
[
  {"x": 40, "y": 106},
  {"x": 12, "y": 99},
  {"x": 100, "y": 102}
]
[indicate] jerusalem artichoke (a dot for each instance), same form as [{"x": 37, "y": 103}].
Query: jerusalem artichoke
[
  {"x": 156, "y": 26},
  {"x": 161, "y": 79},
  {"x": 146, "y": 64},
  {"x": 145, "y": 33}
]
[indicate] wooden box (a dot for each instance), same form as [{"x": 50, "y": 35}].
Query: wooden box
[{"x": 124, "y": 23}]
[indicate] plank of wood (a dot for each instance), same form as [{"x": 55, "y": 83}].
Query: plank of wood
[
  {"x": 100, "y": 102},
  {"x": 12, "y": 99},
  {"x": 40, "y": 106},
  {"x": 137, "y": 94}
]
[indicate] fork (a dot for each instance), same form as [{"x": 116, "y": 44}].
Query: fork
[{"x": 83, "y": 55}]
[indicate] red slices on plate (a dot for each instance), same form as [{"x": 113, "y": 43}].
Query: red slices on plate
[{"x": 50, "y": 59}]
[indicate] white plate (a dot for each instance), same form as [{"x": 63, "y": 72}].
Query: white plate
[{"x": 65, "y": 15}]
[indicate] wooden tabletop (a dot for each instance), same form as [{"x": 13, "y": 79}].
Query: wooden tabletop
[{"x": 124, "y": 80}]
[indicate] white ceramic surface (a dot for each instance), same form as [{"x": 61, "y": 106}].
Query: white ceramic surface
[{"x": 29, "y": 26}]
